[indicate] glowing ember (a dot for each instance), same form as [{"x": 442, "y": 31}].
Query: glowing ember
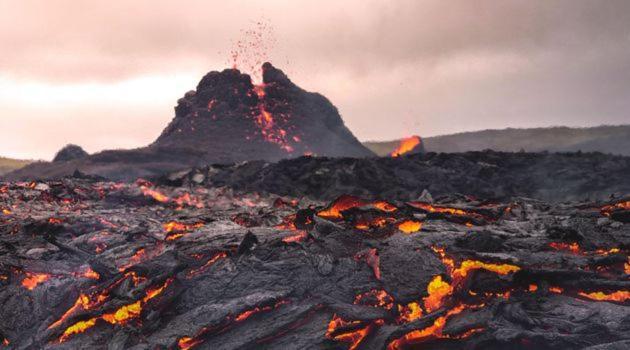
[
  {"x": 176, "y": 229},
  {"x": 450, "y": 263},
  {"x": 186, "y": 343},
  {"x": 353, "y": 337},
  {"x": 77, "y": 328},
  {"x": 158, "y": 196},
  {"x": 122, "y": 315},
  {"x": 141, "y": 255},
  {"x": 605, "y": 252},
  {"x": 56, "y": 221},
  {"x": 438, "y": 209},
  {"x": 406, "y": 145},
  {"x": 376, "y": 298},
  {"x": 608, "y": 209},
  {"x": 187, "y": 200},
  {"x": 32, "y": 280},
  {"x": 556, "y": 290},
  {"x": 433, "y": 331},
  {"x": 6, "y": 212},
  {"x": 532, "y": 288},
  {"x": 469, "y": 265},
  {"x": 298, "y": 237},
  {"x": 409, "y": 312},
  {"x": 619, "y": 296},
  {"x": 89, "y": 273},
  {"x": 214, "y": 259},
  {"x": 438, "y": 290},
  {"x": 572, "y": 247},
  {"x": 249, "y": 313},
  {"x": 340, "y": 204},
  {"x": 377, "y": 222},
  {"x": 384, "y": 206},
  {"x": 410, "y": 226},
  {"x": 267, "y": 124}
]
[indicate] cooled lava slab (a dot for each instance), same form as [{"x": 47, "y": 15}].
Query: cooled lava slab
[
  {"x": 94, "y": 265},
  {"x": 553, "y": 177}
]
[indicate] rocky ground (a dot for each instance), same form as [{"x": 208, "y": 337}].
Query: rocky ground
[
  {"x": 95, "y": 265},
  {"x": 553, "y": 177}
]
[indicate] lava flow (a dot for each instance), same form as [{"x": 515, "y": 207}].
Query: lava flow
[
  {"x": 32, "y": 280},
  {"x": 269, "y": 128},
  {"x": 120, "y": 316},
  {"x": 175, "y": 230}
]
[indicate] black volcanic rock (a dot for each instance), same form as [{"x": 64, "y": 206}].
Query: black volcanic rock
[
  {"x": 553, "y": 177},
  {"x": 70, "y": 152},
  {"x": 234, "y": 120}
]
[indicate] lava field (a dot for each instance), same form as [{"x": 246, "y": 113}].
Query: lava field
[{"x": 90, "y": 264}]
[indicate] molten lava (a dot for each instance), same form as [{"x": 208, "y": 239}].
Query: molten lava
[
  {"x": 176, "y": 229},
  {"x": 444, "y": 210},
  {"x": 433, "y": 331},
  {"x": 122, "y": 315},
  {"x": 619, "y": 296},
  {"x": 270, "y": 131},
  {"x": 376, "y": 298},
  {"x": 409, "y": 312},
  {"x": 301, "y": 236},
  {"x": 608, "y": 209},
  {"x": 469, "y": 265},
  {"x": 574, "y": 248},
  {"x": 438, "y": 290},
  {"x": 406, "y": 145},
  {"x": 32, "y": 280},
  {"x": 158, "y": 196},
  {"x": 210, "y": 262},
  {"x": 410, "y": 226},
  {"x": 344, "y": 202}
]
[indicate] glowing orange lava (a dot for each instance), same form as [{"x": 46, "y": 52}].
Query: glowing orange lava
[
  {"x": 210, "y": 262},
  {"x": 176, "y": 229},
  {"x": 619, "y": 296},
  {"x": 158, "y": 196},
  {"x": 438, "y": 290},
  {"x": 298, "y": 237},
  {"x": 32, "y": 280},
  {"x": 433, "y": 331},
  {"x": 438, "y": 209},
  {"x": 469, "y": 265},
  {"x": 406, "y": 145},
  {"x": 608, "y": 209},
  {"x": 409, "y": 312},
  {"x": 122, "y": 315},
  {"x": 344, "y": 202},
  {"x": 410, "y": 226},
  {"x": 571, "y": 247}
]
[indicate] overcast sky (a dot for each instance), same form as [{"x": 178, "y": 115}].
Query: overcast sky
[{"x": 106, "y": 74}]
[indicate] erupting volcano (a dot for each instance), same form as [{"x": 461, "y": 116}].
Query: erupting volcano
[
  {"x": 227, "y": 119},
  {"x": 234, "y": 120}
]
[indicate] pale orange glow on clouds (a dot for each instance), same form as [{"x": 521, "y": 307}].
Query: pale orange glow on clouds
[{"x": 106, "y": 74}]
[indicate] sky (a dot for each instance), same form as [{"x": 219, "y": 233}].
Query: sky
[{"x": 107, "y": 74}]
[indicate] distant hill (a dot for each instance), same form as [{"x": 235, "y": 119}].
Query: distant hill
[
  {"x": 8, "y": 164},
  {"x": 605, "y": 139}
]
